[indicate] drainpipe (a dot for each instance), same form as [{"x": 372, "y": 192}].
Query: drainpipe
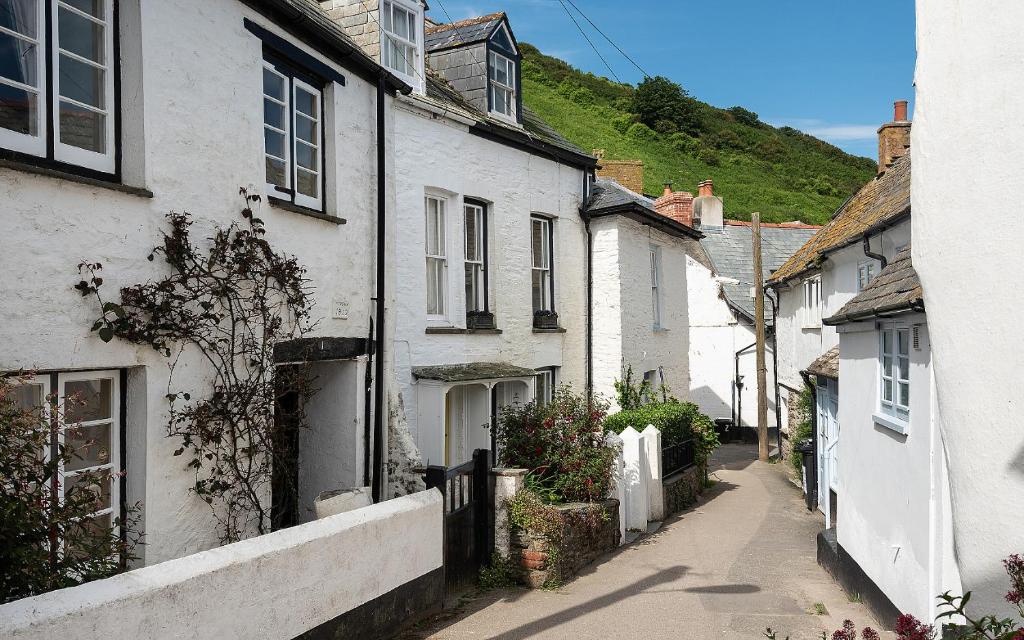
[
  {"x": 814, "y": 435},
  {"x": 590, "y": 307},
  {"x": 737, "y": 420},
  {"x": 871, "y": 254},
  {"x": 367, "y": 408},
  {"x": 378, "y": 400}
]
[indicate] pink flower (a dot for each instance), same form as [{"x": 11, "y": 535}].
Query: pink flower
[{"x": 869, "y": 634}]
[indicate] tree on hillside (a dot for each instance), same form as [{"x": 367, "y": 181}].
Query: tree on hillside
[{"x": 659, "y": 100}]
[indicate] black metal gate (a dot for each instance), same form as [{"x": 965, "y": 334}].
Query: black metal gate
[{"x": 468, "y": 519}]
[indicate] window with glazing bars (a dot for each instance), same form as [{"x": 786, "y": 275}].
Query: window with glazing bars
[
  {"x": 894, "y": 367},
  {"x": 541, "y": 246},
  {"x": 437, "y": 257},
  {"x": 476, "y": 257},
  {"x": 399, "y": 49},
  {"x": 502, "y": 79},
  {"x": 293, "y": 136},
  {"x": 63, "y": 111},
  {"x": 655, "y": 256}
]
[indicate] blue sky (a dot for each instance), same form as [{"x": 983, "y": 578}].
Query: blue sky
[{"x": 831, "y": 68}]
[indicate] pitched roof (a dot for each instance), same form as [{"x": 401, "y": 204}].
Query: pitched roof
[
  {"x": 731, "y": 250},
  {"x": 882, "y": 202},
  {"x": 896, "y": 289},
  {"x": 608, "y": 197},
  {"x": 462, "y": 32},
  {"x": 826, "y": 365},
  {"x": 534, "y": 133}
]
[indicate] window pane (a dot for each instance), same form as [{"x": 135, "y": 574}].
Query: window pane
[
  {"x": 412, "y": 27},
  {"x": 401, "y": 23},
  {"x": 306, "y": 129},
  {"x": 471, "y": 288},
  {"x": 887, "y": 366},
  {"x": 887, "y": 341},
  {"x": 18, "y": 110},
  {"x": 273, "y": 114},
  {"x": 81, "y": 82},
  {"x": 539, "y": 250},
  {"x": 386, "y": 16},
  {"x": 19, "y": 16},
  {"x": 472, "y": 231},
  {"x": 28, "y": 397},
  {"x": 903, "y": 340},
  {"x": 92, "y": 7},
  {"x": 98, "y": 485},
  {"x": 538, "y": 291},
  {"x": 904, "y": 365},
  {"x": 89, "y": 445},
  {"x": 887, "y": 390},
  {"x": 435, "y": 286},
  {"x": 18, "y": 60},
  {"x": 82, "y": 128},
  {"x": 306, "y": 156},
  {"x": 306, "y": 103},
  {"x": 307, "y": 183},
  {"x": 93, "y": 526},
  {"x": 87, "y": 400},
  {"x": 277, "y": 172},
  {"x": 80, "y": 35},
  {"x": 273, "y": 85},
  {"x": 904, "y": 394}
]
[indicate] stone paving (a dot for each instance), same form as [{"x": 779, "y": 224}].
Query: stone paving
[{"x": 741, "y": 560}]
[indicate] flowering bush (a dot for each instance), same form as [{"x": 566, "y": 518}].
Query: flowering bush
[{"x": 562, "y": 445}]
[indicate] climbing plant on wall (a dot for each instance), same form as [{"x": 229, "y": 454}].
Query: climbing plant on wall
[{"x": 228, "y": 304}]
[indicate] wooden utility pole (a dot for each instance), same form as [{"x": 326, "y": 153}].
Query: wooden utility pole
[{"x": 762, "y": 368}]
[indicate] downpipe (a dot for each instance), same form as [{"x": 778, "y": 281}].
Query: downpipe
[{"x": 378, "y": 390}]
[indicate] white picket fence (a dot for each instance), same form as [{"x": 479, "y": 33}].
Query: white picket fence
[{"x": 638, "y": 478}]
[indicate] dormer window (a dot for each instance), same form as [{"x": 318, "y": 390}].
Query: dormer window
[
  {"x": 401, "y": 23},
  {"x": 502, "y": 75}
]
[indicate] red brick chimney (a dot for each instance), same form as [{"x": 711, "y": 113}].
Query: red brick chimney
[
  {"x": 894, "y": 137},
  {"x": 706, "y": 188},
  {"x": 677, "y": 205}
]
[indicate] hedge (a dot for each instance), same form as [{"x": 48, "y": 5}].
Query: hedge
[{"x": 675, "y": 420}]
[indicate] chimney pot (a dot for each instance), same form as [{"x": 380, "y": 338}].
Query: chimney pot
[
  {"x": 668, "y": 189},
  {"x": 900, "y": 111},
  {"x": 706, "y": 188}
]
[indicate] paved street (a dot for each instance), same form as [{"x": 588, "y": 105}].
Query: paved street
[{"x": 741, "y": 560}]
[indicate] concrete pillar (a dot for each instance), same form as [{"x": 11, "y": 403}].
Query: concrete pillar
[
  {"x": 634, "y": 457},
  {"x": 655, "y": 488},
  {"x": 507, "y": 483},
  {"x": 618, "y": 489}
]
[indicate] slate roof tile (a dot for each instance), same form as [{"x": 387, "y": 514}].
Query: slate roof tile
[
  {"x": 826, "y": 365},
  {"x": 462, "y": 32},
  {"x": 896, "y": 288}
]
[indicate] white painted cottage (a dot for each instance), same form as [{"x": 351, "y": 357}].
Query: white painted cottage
[
  {"x": 638, "y": 263},
  {"x": 114, "y": 113},
  {"x": 490, "y": 273}
]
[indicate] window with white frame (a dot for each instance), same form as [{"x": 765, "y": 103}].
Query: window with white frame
[
  {"x": 293, "y": 135},
  {"x": 437, "y": 256},
  {"x": 541, "y": 247},
  {"x": 655, "y": 259},
  {"x": 894, "y": 370},
  {"x": 400, "y": 48},
  {"x": 57, "y": 69},
  {"x": 865, "y": 273},
  {"x": 545, "y": 385},
  {"x": 812, "y": 303},
  {"x": 89, "y": 424},
  {"x": 475, "y": 227},
  {"x": 501, "y": 72}
]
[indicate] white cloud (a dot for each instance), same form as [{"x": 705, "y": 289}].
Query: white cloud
[{"x": 828, "y": 131}]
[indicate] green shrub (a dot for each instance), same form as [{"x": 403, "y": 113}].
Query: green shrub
[
  {"x": 658, "y": 98},
  {"x": 672, "y": 419},
  {"x": 683, "y": 142},
  {"x": 804, "y": 429},
  {"x": 642, "y": 132},
  {"x": 709, "y": 156},
  {"x": 562, "y": 446},
  {"x": 623, "y": 123}
]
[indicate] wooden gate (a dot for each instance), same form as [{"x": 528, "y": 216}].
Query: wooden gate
[{"x": 468, "y": 519}]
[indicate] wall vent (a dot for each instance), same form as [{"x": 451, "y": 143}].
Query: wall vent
[{"x": 917, "y": 337}]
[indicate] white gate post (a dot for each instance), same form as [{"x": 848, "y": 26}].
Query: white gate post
[
  {"x": 634, "y": 456},
  {"x": 507, "y": 483},
  {"x": 618, "y": 489},
  {"x": 655, "y": 488}
]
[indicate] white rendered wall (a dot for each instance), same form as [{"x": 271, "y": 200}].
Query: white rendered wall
[
  {"x": 624, "y": 331},
  {"x": 276, "y": 586},
  {"x": 202, "y": 117},
  {"x": 892, "y": 514},
  {"x": 968, "y": 185},
  {"x": 439, "y": 155},
  {"x": 716, "y": 335}
]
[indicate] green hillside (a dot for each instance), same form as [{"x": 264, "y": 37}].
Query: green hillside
[{"x": 781, "y": 172}]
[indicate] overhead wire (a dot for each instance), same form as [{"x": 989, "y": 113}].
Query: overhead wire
[
  {"x": 589, "y": 41},
  {"x": 610, "y": 41}
]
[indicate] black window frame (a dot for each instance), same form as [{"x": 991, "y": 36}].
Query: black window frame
[
  {"x": 485, "y": 251},
  {"x": 515, "y": 57},
  {"x": 49, "y": 161},
  {"x": 551, "y": 261}
]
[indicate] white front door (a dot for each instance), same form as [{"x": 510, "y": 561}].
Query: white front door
[{"x": 828, "y": 444}]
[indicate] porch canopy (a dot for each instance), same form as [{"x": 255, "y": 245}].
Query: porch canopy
[
  {"x": 826, "y": 366},
  {"x": 472, "y": 372}
]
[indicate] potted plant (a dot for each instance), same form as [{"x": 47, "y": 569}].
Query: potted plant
[
  {"x": 480, "y": 320},
  {"x": 545, "y": 320}
]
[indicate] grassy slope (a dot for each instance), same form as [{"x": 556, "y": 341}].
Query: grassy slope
[{"x": 784, "y": 174}]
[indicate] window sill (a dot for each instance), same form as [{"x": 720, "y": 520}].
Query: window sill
[
  {"x": 304, "y": 211},
  {"x": 458, "y": 331},
  {"x": 892, "y": 423},
  {"x": 659, "y": 329},
  {"x": 555, "y": 330},
  {"x": 26, "y": 167}
]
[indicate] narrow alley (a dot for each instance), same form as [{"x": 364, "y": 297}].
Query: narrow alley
[{"x": 741, "y": 560}]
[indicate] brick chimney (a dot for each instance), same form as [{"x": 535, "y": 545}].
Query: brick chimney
[
  {"x": 628, "y": 173},
  {"x": 677, "y": 205},
  {"x": 894, "y": 137},
  {"x": 708, "y": 209}
]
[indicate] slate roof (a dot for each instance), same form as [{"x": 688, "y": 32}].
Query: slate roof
[
  {"x": 463, "y": 32},
  {"x": 896, "y": 289},
  {"x": 826, "y": 365},
  {"x": 608, "y": 197},
  {"x": 882, "y": 202},
  {"x": 731, "y": 251},
  {"x": 472, "y": 371}
]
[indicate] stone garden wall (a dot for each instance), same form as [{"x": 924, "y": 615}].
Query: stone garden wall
[
  {"x": 682, "y": 490},
  {"x": 586, "y": 535}
]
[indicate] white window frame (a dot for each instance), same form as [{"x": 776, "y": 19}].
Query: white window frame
[
  {"x": 478, "y": 265},
  {"x": 440, "y": 258},
  {"x": 865, "y": 274},
  {"x": 47, "y": 46},
  {"x": 655, "y": 259},
  {"x": 302, "y": 199},
  {"x": 545, "y": 391},
  {"x": 493, "y": 85},
  {"x": 893, "y": 375},
  {"x": 416, "y": 11},
  {"x": 272, "y": 189},
  {"x": 811, "y": 307},
  {"x": 544, "y": 267}
]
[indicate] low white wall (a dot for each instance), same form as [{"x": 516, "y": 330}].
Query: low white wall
[{"x": 272, "y": 587}]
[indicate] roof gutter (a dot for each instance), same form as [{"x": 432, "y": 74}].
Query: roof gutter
[
  {"x": 530, "y": 145},
  {"x": 881, "y": 312}
]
